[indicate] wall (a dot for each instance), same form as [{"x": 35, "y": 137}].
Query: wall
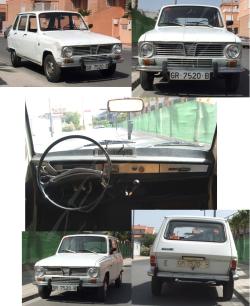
[{"x": 244, "y": 18}]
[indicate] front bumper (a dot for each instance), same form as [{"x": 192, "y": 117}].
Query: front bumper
[
  {"x": 80, "y": 61},
  {"x": 219, "y": 66},
  {"x": 84, "y": 281},
  {"x": 199, "y": 277}
]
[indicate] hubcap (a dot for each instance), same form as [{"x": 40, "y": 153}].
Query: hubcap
[{"x": 50, "y": 67}]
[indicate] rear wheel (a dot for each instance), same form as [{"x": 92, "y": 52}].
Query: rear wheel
[
  {"x": 52, "y": 70},
  {"x": 228, "y": 289},
  {"x": 15, "y": 60},
  {"x": 146, "y": 80},
  {"x": 110, "y": 71},
  {"x": 156, "y": 284},
  {"x": 102, "y": 291},
  {"x": 118, "y": 281},
  {"x": 44, "y": 291},
  {"x": 232, "y": 82}
]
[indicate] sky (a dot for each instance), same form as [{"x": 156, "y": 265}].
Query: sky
[
  {"x": 154, "y": 217},
  {"x": 149, "y": 5}
]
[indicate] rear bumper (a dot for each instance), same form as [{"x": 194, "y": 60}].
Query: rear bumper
[{"x": 199, "y": 277}]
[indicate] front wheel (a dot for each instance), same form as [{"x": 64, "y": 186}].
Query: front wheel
[
  {"x": 110, "y": 71},
  {"x": 146, "y": 80},
  {"x": 15, "y": 60},
  {"x": 228, "y": 289},
  {"x": 156, "y": 286},
  {"x": 52, "y": 70},
  {"x": 102, "y": 291},
  {"x": 232, "y": 82},
  {"x": 44, "y": 291}
]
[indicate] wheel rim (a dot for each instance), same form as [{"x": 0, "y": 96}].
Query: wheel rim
[{"x": 50, "y": 67}]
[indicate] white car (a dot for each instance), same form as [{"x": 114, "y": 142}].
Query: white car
[
  {"x": 81, "y": 261},
  {"x": 194, "y": 249},
  {"x": 190, "y": 42},
  {"x": 61, "y": 39}
]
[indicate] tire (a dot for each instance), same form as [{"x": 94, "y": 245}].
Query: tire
[
  {"x": 44, "y": 291},
  {"x": 156, "y": 284},
  {"x": 228, "y": 289},
  {"x": 110, "y": 71},
  {"x": 146, "y": 80},
  {"x": 232, "y": 82},
  {"x": 118, "y": 281},
  {"x": 102, "y": 291},
  {"x": 15, "y": 60},
  {"x": 52, "y": 71}
]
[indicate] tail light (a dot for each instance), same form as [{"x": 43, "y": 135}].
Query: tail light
[
  {"x": 233, "y": 264},
  {"x": 153, "y": 261}
]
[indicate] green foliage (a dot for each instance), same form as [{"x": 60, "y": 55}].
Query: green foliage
[
  {"x": 84, "y": 12},
  {"x": 240, "y": 221},
  {"x": 148, "y": 240},
  {"x": 141, "y": 24},
  {"x": 72, "y": 118},
  {"x": 122, "y": 236},
  {"x": 145, "y": 251}
]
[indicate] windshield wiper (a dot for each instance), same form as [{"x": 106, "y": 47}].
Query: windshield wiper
[
  {"x": 87, "y": 250},
  {"x": 197, "y": 23},
  {"x": 178, "y": 143},
  {"x": 68, "y": 251},
  {"x": 171, "y": 23},
  {"x": 107, "y": 142}
]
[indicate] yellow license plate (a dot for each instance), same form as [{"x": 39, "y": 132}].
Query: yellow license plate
[{"x": 192, "y": 264}]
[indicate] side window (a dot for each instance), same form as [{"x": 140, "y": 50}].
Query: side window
[
  {"x": 15, "y": 23},
  {"x": 32, "y": 25},
  {"x": 22, "y": 23}
]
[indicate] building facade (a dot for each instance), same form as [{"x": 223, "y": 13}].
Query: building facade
[
  {"x": 108, "y": 17},
  {"x": 230, "y": 12},
  {"x": 3, "y": 13},
  {"x": 244, "y": 18},
  {"x": 139, "y": 231}
]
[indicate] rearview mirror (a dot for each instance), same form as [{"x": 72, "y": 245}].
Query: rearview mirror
[
  {"x": 125, "y": 105},
  {"x": 90, "y": 25}
]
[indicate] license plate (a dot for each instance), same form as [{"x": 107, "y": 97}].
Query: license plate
[
  {"x": 183, "y": 75},
  {"x": 92, "y": 67},
  {"x": 65, "y": 287},
  {"x": 192, "y": 264}
]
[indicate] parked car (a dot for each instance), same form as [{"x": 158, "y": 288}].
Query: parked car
[
  {"x": 245, "y": 41},
  {"x": 61, "y": 39},
  {"x": 6, "y": 31},
  {"x": 190, "y": 42},
  {"x": 194, "y": 249},
  {"x": 81, "y": 261}
]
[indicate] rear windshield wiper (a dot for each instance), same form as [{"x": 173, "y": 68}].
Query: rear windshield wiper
[{"x": 178, "y": 143}]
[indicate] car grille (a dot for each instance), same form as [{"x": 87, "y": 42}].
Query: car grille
[
  {"x": 189, "y": 63},
  {"x": 64, "y": 280},
  {"x": 97, "y": 58},
  {"x": 189, "y": 49},
  {"x": 92, "y": 50},
  {"x": 67, "y": 271}
]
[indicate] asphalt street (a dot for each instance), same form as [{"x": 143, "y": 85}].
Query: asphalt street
[
  {"x": 179, "y": 295},
  {"x": 196, "y": 88},
  {"x": 116, "y": 296},
  {"x": 30, "y": 74}
]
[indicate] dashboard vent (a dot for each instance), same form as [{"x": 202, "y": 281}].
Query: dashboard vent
[{"x": 118, "y": 151}]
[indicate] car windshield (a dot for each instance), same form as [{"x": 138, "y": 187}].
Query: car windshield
[
  {"x": 190, "y": 16},
  {"x": 83, "y": 244},
  {"x": 188, "y": 123},
  {"x": 55, "y": 21},
  {"x": 195, "y": 231}
]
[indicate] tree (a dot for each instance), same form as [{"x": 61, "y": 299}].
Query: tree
[
  {"x": 148, "y": 240},
  {"x": 72, "y": 117}
]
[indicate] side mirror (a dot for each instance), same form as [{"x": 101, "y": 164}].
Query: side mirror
[
  {"x": 126, "y": 105},
  {"x": 229, "y": 23},
  {"x": 90, "y": 25}
]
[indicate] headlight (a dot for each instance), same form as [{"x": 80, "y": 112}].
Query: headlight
[
  {"x": 117, "y": 49},
  {"x": 146, "y": 49},
  {"x": 67, "y": 51},
  {"x": 39, "y": 271},
  {"x": 233, "y": 51},
  {"x": 93, "y": 272}
]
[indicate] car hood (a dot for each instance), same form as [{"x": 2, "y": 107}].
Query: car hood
[
  {"x": 72, "y": 260},
  {"x": 189, "y": 34},
  {"x": 79, "y": 37}
]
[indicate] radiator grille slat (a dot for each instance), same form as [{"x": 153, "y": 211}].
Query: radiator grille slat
[
  {"x": 92, "y": 50},
  {"x": 189, "y": 63}
]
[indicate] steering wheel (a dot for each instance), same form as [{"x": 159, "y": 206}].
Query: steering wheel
[{"x": 86, "y": 179}]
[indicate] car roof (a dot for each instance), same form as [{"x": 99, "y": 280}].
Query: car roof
[
  {"x": 200, "y": 218},
  {"x": 201, "y": 5},
  {"x": 48, "y": 11},
  {"x": 96, "y": 235}
]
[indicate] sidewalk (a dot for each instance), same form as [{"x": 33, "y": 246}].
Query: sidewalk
[
  {"x": 242, "y": 285},
  {"x": 29, "y": 291}
]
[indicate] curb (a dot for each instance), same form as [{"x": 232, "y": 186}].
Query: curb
[
  {"x": 30, "y": 297},
  {"x": 241, "y": 297}
]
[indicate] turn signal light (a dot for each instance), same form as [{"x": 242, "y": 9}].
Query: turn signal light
[
  {"x": 232, "y": 63},
  {"x": 148, "y": 62},
  {"x": 233, "y": 264},
  {"x": 153, "y": 260}
]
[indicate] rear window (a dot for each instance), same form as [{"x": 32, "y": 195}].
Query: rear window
[{"x": 195, "y": 231}]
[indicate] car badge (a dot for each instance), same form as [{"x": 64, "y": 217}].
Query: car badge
[
  {"x": 93, "y": 49},
  {"x": 66, "y": 271}
]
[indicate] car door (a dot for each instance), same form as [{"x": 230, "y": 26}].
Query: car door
[
  {"x": 13, "y": 33},
  {"x": 30, "y": 39},
  {"x": 20, "y": 34}
]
